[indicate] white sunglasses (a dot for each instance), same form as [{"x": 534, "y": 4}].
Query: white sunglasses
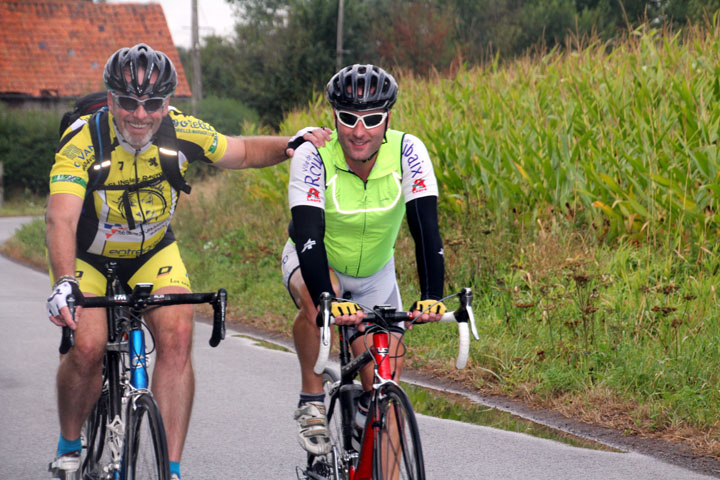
[{"x": 350, "y": 119}]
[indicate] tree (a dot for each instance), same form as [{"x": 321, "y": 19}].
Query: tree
[{"x": 417, "y": 36}]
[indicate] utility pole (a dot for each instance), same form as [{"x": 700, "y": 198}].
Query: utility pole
[
  {"x": 195, "y": 53},
  {"x": 339, "y": 39}
]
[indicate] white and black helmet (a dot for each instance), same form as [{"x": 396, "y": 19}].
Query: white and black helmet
[
  {"x": 132, "y": 59},
  {"x": 362, "y": 87}
]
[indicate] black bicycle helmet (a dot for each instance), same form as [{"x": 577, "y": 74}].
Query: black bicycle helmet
[
  {"x": 132, "y": 59},
  {"x": 362, "y": 87}
]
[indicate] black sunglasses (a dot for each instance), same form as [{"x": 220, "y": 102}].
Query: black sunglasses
[
  {"x": 130, "y": 104},
  {"x": 371, "y": 120}
]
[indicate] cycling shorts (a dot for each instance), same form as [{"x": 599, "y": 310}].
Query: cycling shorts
[
  {"x": 162, "y": 267},
  {"x": 380, "y": 288}
]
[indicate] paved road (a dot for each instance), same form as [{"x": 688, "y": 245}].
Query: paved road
[{"x": 241, "y": 426}]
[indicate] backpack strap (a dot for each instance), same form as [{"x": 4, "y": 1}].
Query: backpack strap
[
  {"x": 165, "y": 140},
  {"x": 100, "y": 135},
  {"x": 167, "y": 143}
]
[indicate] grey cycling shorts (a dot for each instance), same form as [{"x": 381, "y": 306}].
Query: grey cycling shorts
[{"x": 380, "y": 288}]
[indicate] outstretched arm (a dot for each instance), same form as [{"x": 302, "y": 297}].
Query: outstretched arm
[{"x": 264, "y": 151}]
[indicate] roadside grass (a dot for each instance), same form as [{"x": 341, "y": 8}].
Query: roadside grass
[
  {"x": 428, "y": 401},
  {"x": 28, "y": 245},
  {"x": 16, "y": 204}
]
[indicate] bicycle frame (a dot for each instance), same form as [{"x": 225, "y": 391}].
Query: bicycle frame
[
  {"x": 126, "y": 379},
  {"x": 362, "y": 465}
]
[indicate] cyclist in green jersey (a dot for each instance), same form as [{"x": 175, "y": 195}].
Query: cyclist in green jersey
[
  {"x": 127, "y": 218},
  {"x": 347, "y": 200}
]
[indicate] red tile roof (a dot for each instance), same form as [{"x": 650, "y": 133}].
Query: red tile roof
[{"x": 59, "y": 48}]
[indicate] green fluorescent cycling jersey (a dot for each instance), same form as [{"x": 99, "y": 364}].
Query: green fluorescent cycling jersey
[{"x": 362, "y": 219}]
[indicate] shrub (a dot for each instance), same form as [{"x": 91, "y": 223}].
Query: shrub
[{"x": 27, "y": 144}]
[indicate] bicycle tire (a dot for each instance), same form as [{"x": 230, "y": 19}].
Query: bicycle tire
[
  {"x": 397, "y": 442},
  {"x": 145, "y": 443},
  {"x": 98, "y": 459}
]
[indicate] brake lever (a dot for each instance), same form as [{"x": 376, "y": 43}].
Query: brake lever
[
  {"x": 68, "y": 336},
  {"x": 325, "y": 301},
  {"x": 219, "y": 309},
  {"x": 466, "y": 298}
]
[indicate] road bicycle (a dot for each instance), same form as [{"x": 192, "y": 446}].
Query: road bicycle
[
  {"x": 389, "y": 446},
  {"x": 124, "y": 437}
]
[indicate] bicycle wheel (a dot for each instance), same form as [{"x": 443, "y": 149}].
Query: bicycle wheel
[
  {"x": 99, "y": 441},
  {"x": 397, "y": 453},
  {"x": 145, "y": 443}
]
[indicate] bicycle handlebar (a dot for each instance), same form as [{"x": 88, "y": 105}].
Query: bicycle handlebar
[
  {"x": 136, "y": 300},
  {"x": 383, "y": 315}
]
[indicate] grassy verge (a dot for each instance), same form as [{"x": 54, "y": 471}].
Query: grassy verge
[
  {"x": 28, "y": 244},
  {"x": 20, "y": 205}
]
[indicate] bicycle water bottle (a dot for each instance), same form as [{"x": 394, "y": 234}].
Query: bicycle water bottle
[
  {"x": 361, "y": 409},
  {"x": 138, "y": 362}
]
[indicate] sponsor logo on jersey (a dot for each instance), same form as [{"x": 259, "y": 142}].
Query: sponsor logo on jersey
[
  {"x": 313, "y": 195},
  {"x": 71, "y": 152},
  {"x": 112, "y": 229},
  {"x": 412, "y": 160},
  {"x": 69, "y": 179},
  {"x": 193, "y": 124},
  {"x": 126, "y": 252},
  {"x": 313, "y": 169},
  {"x": 418, "y": 185},
  {"x": 214, "y": 145}
]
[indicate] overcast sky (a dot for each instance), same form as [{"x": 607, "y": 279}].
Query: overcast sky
[{"x": 214, "y": 17}]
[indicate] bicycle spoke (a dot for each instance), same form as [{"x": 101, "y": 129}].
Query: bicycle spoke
[
  {"x": 398, "y": 453},
  {"x": 146, "y": 449}
]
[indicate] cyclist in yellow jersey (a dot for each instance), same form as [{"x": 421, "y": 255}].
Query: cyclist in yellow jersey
[
  {"x": 127, "y": 218},
  {"x": 347, "y": 200}
]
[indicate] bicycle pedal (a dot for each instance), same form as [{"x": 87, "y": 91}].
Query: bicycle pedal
[{"x": 59, "y": 474}]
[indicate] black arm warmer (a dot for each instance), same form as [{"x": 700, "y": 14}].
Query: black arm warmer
[
  {"x": 423, "y": 222},
  {"x": 307, "y": 231}
]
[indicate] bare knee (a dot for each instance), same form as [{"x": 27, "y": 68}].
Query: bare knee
[{"x": 172, "y": 329}]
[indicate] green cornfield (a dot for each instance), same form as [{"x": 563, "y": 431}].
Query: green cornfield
[{"x": 579, "y": 199}]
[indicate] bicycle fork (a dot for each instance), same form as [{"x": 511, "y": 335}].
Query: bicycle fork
[{"x": 138, "y": 380}]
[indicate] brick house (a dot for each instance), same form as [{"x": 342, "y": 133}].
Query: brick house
[{"x": 52, "y": 51}]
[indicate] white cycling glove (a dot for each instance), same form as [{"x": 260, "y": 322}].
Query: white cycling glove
[{"x": 64, "y": 287}]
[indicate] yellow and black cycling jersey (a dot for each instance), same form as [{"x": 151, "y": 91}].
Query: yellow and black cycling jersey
[{"x": 135, "y": 187}]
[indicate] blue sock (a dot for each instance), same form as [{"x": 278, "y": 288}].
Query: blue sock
[
  {"x": 311, "y": 397},
  {"x": 175, "y": 468},
  {"x": 67, "y": 446}
]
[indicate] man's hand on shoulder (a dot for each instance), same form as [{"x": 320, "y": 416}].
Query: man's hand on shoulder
[{"x": 316, "y": 135}]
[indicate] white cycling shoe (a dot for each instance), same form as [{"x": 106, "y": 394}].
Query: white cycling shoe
[
  {"x": 66, "y": 467},
  {"x": 312, "y": 428}
]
